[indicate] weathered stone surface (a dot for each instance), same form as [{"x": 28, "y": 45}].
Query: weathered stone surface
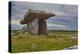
[
  {"x": 42, "y": 27},
  {"x": 32, "y": 27},
  {"x": 32, "y": 14},
  {"x": 37, "y": 27},
  {"x": 35, "y": 21}
]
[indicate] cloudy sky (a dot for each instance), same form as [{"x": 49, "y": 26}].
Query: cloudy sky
[{"x": 65, "y": 19}]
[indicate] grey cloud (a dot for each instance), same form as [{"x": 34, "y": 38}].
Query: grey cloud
[
  {"x": 65, "y": 14},
  {"x": 22, "y": 7}
]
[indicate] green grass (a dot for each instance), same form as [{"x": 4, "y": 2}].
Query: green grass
[{"x": 55, "y": 40}]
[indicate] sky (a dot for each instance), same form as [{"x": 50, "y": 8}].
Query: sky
[{"x": 66, "y": 15}]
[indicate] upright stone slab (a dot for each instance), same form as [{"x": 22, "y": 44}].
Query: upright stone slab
[
  {"x": 32, "y": 26},
  {"x": 42, "y": 27}
]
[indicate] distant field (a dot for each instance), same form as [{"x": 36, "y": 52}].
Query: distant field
[{"x": 55, "y": 40}]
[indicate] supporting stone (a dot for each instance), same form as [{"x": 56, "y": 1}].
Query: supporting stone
[
  {"x": 42, "y": 27},
  {"x": 37, "y": 27},
  {"x": 32, "y": 26}
]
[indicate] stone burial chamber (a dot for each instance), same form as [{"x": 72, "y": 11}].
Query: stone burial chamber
[{"x": 36, "y": 21}]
